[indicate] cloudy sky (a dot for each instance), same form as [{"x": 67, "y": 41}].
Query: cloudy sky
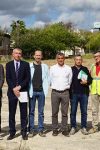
[{"x": 83, "y": 13}]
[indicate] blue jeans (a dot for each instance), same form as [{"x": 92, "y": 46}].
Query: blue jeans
[
  {"x": 41, "y": 102},
  {"x": 83, "y": 99}
]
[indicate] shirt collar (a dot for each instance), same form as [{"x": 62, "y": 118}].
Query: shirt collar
[
  {"x": 78, "y": 68},
  {"x": 60, "y": 66},
  {"x": 16, "y": 61}
]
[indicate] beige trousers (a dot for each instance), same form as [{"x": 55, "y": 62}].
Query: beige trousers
[{"x": 95, "y": 110}]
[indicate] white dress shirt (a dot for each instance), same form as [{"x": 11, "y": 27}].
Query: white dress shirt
[
  {"x": 60, "y": 77},
  {"x": 15, "y": 63}
]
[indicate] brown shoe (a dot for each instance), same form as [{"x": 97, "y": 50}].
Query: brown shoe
[
  {"x": 42, "y": 134},
  {"x": 93, "y": 130},
  {"x": 65, "y": 133},
  {"x": 55, "y": 132}
]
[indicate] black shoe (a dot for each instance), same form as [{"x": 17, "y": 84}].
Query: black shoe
[
  {"x": 24, "y": 136},
  {"x": 65, "y": 133},
  {"x": 42, "y": 134},
  {"x": 10, "y": 137},
  {"x": 55, "y": 132}
]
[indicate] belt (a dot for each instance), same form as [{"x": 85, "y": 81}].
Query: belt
[{"x": 54, "y": 90}]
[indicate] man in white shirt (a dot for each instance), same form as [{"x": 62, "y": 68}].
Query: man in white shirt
[{"x": 60, "y": 78}]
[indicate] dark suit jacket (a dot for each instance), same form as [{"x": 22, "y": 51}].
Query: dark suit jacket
[
  {"x": 1, "y": 78},
  {"x": 23, "y": 77}
]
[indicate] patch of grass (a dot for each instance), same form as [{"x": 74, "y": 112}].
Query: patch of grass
[{"x": 88, "y": 56}]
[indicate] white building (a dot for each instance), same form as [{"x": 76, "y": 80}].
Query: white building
[{"x": 78, "y": 50}]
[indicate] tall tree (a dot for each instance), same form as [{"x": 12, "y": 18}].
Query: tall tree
[{"x": 17, "y": 30}]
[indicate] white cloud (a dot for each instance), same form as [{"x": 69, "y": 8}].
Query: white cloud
[
  {"x": 47, "y": 11},
  {"x": 74, "y": 17},
  {"x": 39, "y": 24},
  {"x": 6, "y": 20},
  {"x": 97, "y": 16}
]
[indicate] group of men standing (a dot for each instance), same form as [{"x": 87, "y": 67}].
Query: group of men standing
[{"x": 68, "y": 84}]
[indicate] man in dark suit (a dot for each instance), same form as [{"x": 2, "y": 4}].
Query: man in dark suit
[
  {"x": 17, "y": 76},
  {"x": 1, "y": 84}
]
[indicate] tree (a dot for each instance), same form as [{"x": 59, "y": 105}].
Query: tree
[
  {"x": 93, "y": 43},
  {"x": 50, "y": 39},
  {"x": 17, "y": 30}
]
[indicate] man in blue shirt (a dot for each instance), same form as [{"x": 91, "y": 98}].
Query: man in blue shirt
[{"x": 79, "y": 93}]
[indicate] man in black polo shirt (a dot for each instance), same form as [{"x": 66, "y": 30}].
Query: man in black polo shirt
[{"x": 79, "y": 93}]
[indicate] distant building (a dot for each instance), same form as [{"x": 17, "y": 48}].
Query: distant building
[
  {"x": 78, "y": 50},
  {"x": 5, "y": 44},
  {"x": 67, "y": 53}
]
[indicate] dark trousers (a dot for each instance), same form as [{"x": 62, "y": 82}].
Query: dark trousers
[
  {"x": 23, "y": 115},
  {"x": 56, "y": 99},
  {"x": 83, "y": 99}
]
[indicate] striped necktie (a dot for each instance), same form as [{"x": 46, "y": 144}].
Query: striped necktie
[{"x": 17, "y": 70}]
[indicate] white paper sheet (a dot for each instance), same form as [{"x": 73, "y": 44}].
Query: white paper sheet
[{"x": 23, "y": 97}]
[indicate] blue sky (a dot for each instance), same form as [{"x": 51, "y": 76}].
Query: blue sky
[{"x": 82, "y": 13}]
